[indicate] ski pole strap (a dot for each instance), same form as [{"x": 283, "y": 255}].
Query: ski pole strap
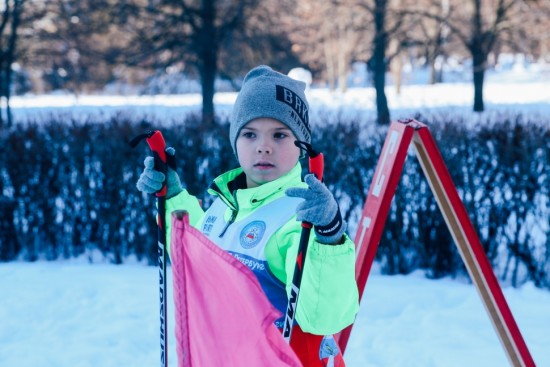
[{"x": 333, "y": 227}]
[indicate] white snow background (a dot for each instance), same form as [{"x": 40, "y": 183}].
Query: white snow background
[{"x": 73, "y": 314}]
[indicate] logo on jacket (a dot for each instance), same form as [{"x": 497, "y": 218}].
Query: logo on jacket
[
  {"x": 209, "y": 225},
  {"x": 252, "y": 234}
]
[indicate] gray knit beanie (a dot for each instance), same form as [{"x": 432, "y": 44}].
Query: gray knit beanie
[{"x": 269, "y": 94}]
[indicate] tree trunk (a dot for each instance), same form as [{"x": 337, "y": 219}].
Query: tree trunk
[
  {"x": 9, "y": 115},
  {"x": 433, "y": 71},
  {"x": 331, "y": 73},
  {"x": 10, "y": 55},
  {"x": 396, "y": 65},
  {"x": 377, "y": 63},
  {"x": 343, "y": 55},
  {"x": 208, "y": 44},
  {"x": 379, "y": 78},
  {"x": 479, "y": 76},
  {"x": 208, "y": 77},
  {"x": 479, "y": 57},
  {"x": 342, "y": 72}
]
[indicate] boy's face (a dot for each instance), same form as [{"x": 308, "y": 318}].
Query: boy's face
[{"x": 266, "y": 151}]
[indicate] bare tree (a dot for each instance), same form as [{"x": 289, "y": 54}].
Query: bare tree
[
  {"x": 9, "y": 24},
  {"x": 331, "y": 34},
  {"x": 378, "y": 62},
  {"x": 188, "y": 33},
  {"x": 433, "y": 35},
  {"x": 390, "y": 22},
  {"x": 481, "y": 40},
  {"x": 70, "y": 45},
  {"x": 83, "y": 45},
  {"x": 479, "y": 24},
  {"x": 530, "y": 31},
  {"x": 326, "y": 36},
  {"x": 264, "y": 40}
]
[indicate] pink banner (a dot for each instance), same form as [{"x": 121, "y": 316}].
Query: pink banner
[{"x": 223, "y": 317}]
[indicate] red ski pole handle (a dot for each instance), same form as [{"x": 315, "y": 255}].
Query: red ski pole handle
[
  {"x": 157, "y": 144},
  {"x": 316, "y": 165},
  {"x": 316, "y": 159}
]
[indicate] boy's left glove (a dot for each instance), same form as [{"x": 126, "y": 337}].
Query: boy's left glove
[
  {"x": 150, "y": 181},
  {"x": 320, "y": 209}
]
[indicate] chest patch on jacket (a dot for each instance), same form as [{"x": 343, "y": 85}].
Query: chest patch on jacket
[{"x": 252, "y": 234}]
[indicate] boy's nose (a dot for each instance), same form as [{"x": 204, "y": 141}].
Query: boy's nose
[{"x": 264, "y": 149}]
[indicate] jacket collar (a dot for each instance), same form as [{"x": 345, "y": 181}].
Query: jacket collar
[{"x": 221, "y": 186}]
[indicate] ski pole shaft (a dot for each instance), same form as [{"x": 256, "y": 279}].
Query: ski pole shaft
[
  {"x": 156, "y": 143},
  {"x": 316, "y": 166}
]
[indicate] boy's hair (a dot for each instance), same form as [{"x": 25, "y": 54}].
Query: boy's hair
[{"x": 269, "y": 94}]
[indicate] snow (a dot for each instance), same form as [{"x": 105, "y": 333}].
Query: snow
[
  {"x": 504, "y": 91},
  {"x": 66, "y": 314},
  {"x": 72, "y": 314}
]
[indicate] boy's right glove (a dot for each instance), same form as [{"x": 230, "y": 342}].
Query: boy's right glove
[
  {"x": 320, "y": 209},
  {"x": 150, "y": 181}
]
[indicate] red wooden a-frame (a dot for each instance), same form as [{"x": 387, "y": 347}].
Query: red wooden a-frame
[{"x": 377, "y": 205}]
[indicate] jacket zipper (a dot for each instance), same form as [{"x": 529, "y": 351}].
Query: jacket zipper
[
  {"x": 231, "y": 220},
  {"x": 234, "y": 213}
]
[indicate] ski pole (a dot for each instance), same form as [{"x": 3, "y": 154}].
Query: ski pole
[
  {"x": 316, "y": 166},
  {"x": 156, "y": 142}
]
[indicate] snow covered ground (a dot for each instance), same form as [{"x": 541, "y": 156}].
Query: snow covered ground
[
  {"x": 72, "y": 314},
  {"x": 67, "y": 314},
  {"x": 528, "y": 92}
]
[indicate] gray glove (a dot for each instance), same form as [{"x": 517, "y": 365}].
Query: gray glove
[
  {"x": 150, "y": 181},
  {"x": 320, "y": 209}
]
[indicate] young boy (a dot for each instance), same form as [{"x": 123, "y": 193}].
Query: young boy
[{"x": 259, "y": 206}]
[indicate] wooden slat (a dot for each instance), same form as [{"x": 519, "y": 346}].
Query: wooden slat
[
  {"x": 377, "y": 205},
  {"x": 470, "y": 248}
]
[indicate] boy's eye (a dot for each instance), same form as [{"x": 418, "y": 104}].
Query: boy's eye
[
  {"x": 248, "y": 134},
  {"x": 280, "y": 135}
]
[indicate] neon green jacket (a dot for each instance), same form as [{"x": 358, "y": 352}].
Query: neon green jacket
[{"x": 328, "y": 294}]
